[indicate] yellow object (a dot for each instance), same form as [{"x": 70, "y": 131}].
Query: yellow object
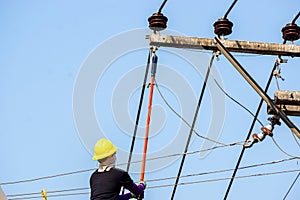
[
  {"x": 103, "y": 148},
  {"x": 44, "y": 194}
]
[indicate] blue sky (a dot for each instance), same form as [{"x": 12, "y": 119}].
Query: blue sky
[{"x": 46, "y": 46}]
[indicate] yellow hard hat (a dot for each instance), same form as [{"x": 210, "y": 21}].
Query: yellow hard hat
[{"x": 103, "y": 148}]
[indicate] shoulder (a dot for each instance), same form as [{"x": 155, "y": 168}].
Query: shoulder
[
  {"x": 121, "y": 172},
  {"x": 118, "y": 170}
]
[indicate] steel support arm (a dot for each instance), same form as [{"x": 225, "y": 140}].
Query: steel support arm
[
  {"x": 256, "y": 87},
  {"x": 261, "y": 48}
]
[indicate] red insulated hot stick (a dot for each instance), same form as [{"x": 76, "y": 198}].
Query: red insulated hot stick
[{"x": 153, "y": 71}]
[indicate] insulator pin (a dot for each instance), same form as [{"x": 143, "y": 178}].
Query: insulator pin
[
  {"x": 223, "y": 27},
  {"x": 158, "y": 22},
  {"x": 291, "y": 32}
]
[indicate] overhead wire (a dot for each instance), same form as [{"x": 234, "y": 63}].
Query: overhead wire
[
  {"x": 48, "y": 192},
  {"x": 183, "y": 183},
  {"x": 295, "y": 18},
  {"x": 283, "y": 151},
  {"x": 162, "y": 6},
  {"x": 54, "y": 195},
  {"x": 120, "y": 164},
  {"x": 236, "y": 101},
  {"x": 226, "y": 178},
  {"x": 229, "y": 9},
  {"x": 248, "y": 135},
  {"x": 225, "y": 170},
  {"x": 139, "y": 110},
  {"x": 296, "y": 140},
  {"x": 46, "y": 177},
  {"x": 193, "y": 124},
  {"x": 182, "y": 118},
  {"x": 165, "y": 178},
  {"x": 292, "y": 183}
]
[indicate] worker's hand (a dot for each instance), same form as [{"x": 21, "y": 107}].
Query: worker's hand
[
  {"x": 133, "y": 196},
  {"x": 143, "y": 183},
  {"x": 141, "y": 196}
]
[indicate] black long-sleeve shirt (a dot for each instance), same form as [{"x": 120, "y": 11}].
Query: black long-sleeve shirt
[{"x": 106, "y": 185}]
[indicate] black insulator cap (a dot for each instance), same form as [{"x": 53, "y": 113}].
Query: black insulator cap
[
  {"x": 291, "y": 32},
  {"x": 157, "y": 22},
  {"x": 223, "y": 27}
]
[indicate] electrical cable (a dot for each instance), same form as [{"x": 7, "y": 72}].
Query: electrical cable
[
  {"x": 249, "y": 134},
  {"x": 168, "y": 178},
  {"x": 278, "y": 146},
  {"x": 138, "y": 113},
  {"x": 229, "y": 9},
  {"x": 183, "y": 183},
  {"x": 292, "y": 184},
  {"x": 226, "y": 178},
  {"x": 193, "y": 124},
  {"x": 139, "y": 161},
  {"x": 236, "y": 101},
  {"x": 295, "y": 18},
  {"x": 139, "y": 110},
  {"x": 47, "y": 177},
  {"x": 296, "y": 140},
  {"x": 179, "y": 116},
  {"x": 224, "y": 170},
  {"x": 55, "y": 195},
  {"x": 162, "y": 6},
  {"x": 229, "y": 96},
  {"x": 48, "y": 192}
]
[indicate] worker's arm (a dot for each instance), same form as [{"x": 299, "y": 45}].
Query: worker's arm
[
  {"x": 125, "y": 196},
  {"x": 136, "y": 191}
]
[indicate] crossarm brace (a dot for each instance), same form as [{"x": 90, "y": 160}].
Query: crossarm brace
[{"x": 256, "y": 87}]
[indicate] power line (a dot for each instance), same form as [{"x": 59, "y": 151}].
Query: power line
[
  {"x": 162, "y": 6},
  {"x": 292, "y": 184},
  {"x": 278, "y": 146},
  {"x": 249, "y": 134},
  {"x": 227, "y": 178},
  {"x": 139, "y": 110},
  {"x": 229, "y": 9},
  {"x": 138, "y": 161},
  {"x": 179, "y": 116},
  {"x": 183, "y": 183},
  {"x": 296, "y": 140},
  {"x": 48, "y": 192},
  {"x": 167, "y": 178},
  {"x": 193, "y": 124},
  {"x": 236, "y": 101},
  {"x": 220, "y": 87},
  {"x": 295, "y": 18},
  {"x": 224, "y": 170},
  {"x": 47, "y": 177},
  {"x": 54, "y": 195}
]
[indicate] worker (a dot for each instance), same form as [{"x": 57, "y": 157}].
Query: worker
[{"x": 106, "y": 181}]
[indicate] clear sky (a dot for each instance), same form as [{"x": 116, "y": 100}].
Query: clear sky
[{"x": 71, "y": 72}]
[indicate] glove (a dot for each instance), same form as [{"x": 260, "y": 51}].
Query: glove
[
  {"x": 133, "y": 196},
  {"x": 143, "y": 183},
  {"x": 141, "y": 196}
]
